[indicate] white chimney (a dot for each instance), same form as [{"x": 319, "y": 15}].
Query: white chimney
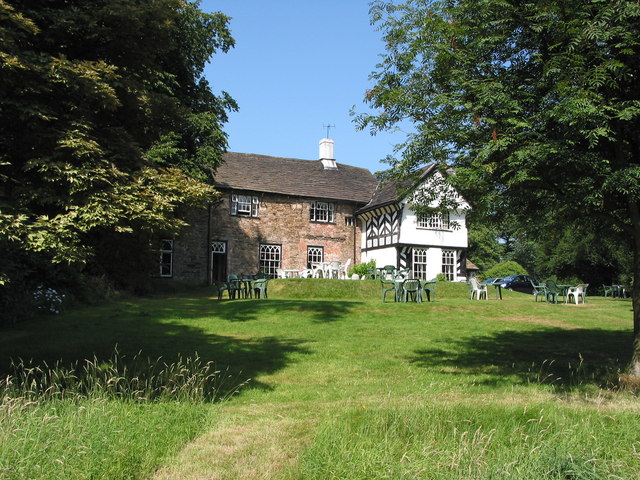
[{"x": 326, "y": 154}]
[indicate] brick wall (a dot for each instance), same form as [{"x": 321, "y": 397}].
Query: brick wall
[{"x": 282, "y": 221}]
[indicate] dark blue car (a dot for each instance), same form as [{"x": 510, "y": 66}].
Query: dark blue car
[{"x": 519, "y": 283}]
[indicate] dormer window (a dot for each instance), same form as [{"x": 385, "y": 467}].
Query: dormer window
[
  {"x": 244, "y": 205},
  {"x": 322, "y": 212}
]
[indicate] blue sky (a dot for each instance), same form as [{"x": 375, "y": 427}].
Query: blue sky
[{"x": 298, "y": 65}]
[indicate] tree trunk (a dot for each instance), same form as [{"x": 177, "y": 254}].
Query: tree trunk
[{"x": 634, "y": 367}]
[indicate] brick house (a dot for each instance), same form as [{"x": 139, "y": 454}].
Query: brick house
[{"x": 284, "y": 213}]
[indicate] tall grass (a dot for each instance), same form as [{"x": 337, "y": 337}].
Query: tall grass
[
  {"x": 101, "y": 419},
  {"x": 444, "y": 442},
  {"x": 188, "y": 379}
]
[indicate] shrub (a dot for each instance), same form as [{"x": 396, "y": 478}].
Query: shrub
[
  {"x": 504, "y": 269},
  {"x": 362, "y": 268}
]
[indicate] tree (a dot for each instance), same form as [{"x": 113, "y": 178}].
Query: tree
[
  {"x": 107, "y": 125},
  {"x": 536, "y": 104}
]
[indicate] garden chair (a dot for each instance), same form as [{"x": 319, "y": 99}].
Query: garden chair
[
  {"x": 344, "y": 270},
  {"x": 577, "y": 292},
  {"x": 617, "y": 290},
  {"x": 539, "y": 290},
  {"x": 429, "y": 289},
  {"x": 388, "y": 272},
  {"x": 235, "y": 287},
  {"x": 552, "y": 291},
  {"x": 477, "y": 290},
  {"x": 260, "y": 288},
  {"x": 388, "y": 286},
  {"x": 334, "y": 270},
  {"x": 609, "y": 290},
  {"x": 411, "y": 289},
  {"x": 403, "y": 273},
  {"x": 222, "y": 287}
]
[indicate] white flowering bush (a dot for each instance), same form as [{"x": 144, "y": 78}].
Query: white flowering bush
[{"x": 48, "y": 300}]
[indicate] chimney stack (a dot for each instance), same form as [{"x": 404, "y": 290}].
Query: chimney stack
[{"x": 326, "y": 154}]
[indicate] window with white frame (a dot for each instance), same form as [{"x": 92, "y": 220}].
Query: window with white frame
[
  {"x": 218, "y": 247},
  {"x": 436, "y": 221},
  {"x": 448, "y": 264},
  {"x": 166, "y": 258},
  {"x": 270, "y": 258},
  {"x": 350, "y": 221},
  {"x": 314, "y": 255},
  {"x": 244, "y": 205},
  {"x": 322, "y": 212},
  {"x": 419, "y": 262}
]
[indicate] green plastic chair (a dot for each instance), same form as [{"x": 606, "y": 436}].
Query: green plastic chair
[
  {"x": 553, "y": 292},
  {"x": 539, "y": 290},
  {"x": 222, "y": 287},
  {"x": 388, "y": 286},
  {"x": 411, "y": 289},
  {"x": 388, "y": 271},
  {"x": 429, "y": 288},
  {"x": 260, "y": 288},
  {"x": 235, "y": 287}
]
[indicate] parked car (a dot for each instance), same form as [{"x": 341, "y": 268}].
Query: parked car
[{"x": 519, "y": 283}]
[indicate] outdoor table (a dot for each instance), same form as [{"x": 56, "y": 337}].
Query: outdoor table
[
  {"x": 618, "y": 291},
  {"x": 497, "y": 287},
  {"x": 563, "y": 289},
  {"x": 246, "y": 284}
]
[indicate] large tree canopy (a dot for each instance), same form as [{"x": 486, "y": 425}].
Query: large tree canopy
[
  {"x": 536, "y": 104},
  {"x": 106, "y": 122}
]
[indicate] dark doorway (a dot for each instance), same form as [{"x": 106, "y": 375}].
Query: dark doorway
[{"x": 218, "y": 261}]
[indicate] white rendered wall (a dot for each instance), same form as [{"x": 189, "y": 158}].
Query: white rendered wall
[
  {"x": 411, "y": 234},
  {"x": 382, "y": 256}
]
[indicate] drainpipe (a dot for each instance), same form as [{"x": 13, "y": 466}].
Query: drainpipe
[
  {"x": 355, "y": 237},
  {"x": 209, "y": 273}
]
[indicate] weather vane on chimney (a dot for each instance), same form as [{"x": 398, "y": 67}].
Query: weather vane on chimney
[{"x": 328, "y": 127}]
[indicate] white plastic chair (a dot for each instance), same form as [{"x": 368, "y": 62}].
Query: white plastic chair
[
  {"x": 317, "y": 270},
  {"x": 577, "y": 292},
  {"x": 477, "y": 290},
  {"x": 280, "y": 273},
  {"x": 344, "y": 271},
  {"x": 334, "y": 269}
]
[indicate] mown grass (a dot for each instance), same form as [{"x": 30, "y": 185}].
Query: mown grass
[{"x": 339, "y": 385}]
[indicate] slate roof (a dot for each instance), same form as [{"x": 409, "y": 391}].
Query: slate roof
[
  {"x": 395, "y": 190},
  {"x": 291, "y": 176}
]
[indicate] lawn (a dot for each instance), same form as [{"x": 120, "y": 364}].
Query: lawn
[{"x": 334, "y": 384}]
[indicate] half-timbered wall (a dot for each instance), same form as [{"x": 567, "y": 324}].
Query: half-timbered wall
[{"x": 382, "y": 228}]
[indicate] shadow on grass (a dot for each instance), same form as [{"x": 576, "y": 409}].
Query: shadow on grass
[
  {"x": 167, "y": 328},
  {"x": 567, "y": 359},
  {"x": 321, "y": 311}
]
